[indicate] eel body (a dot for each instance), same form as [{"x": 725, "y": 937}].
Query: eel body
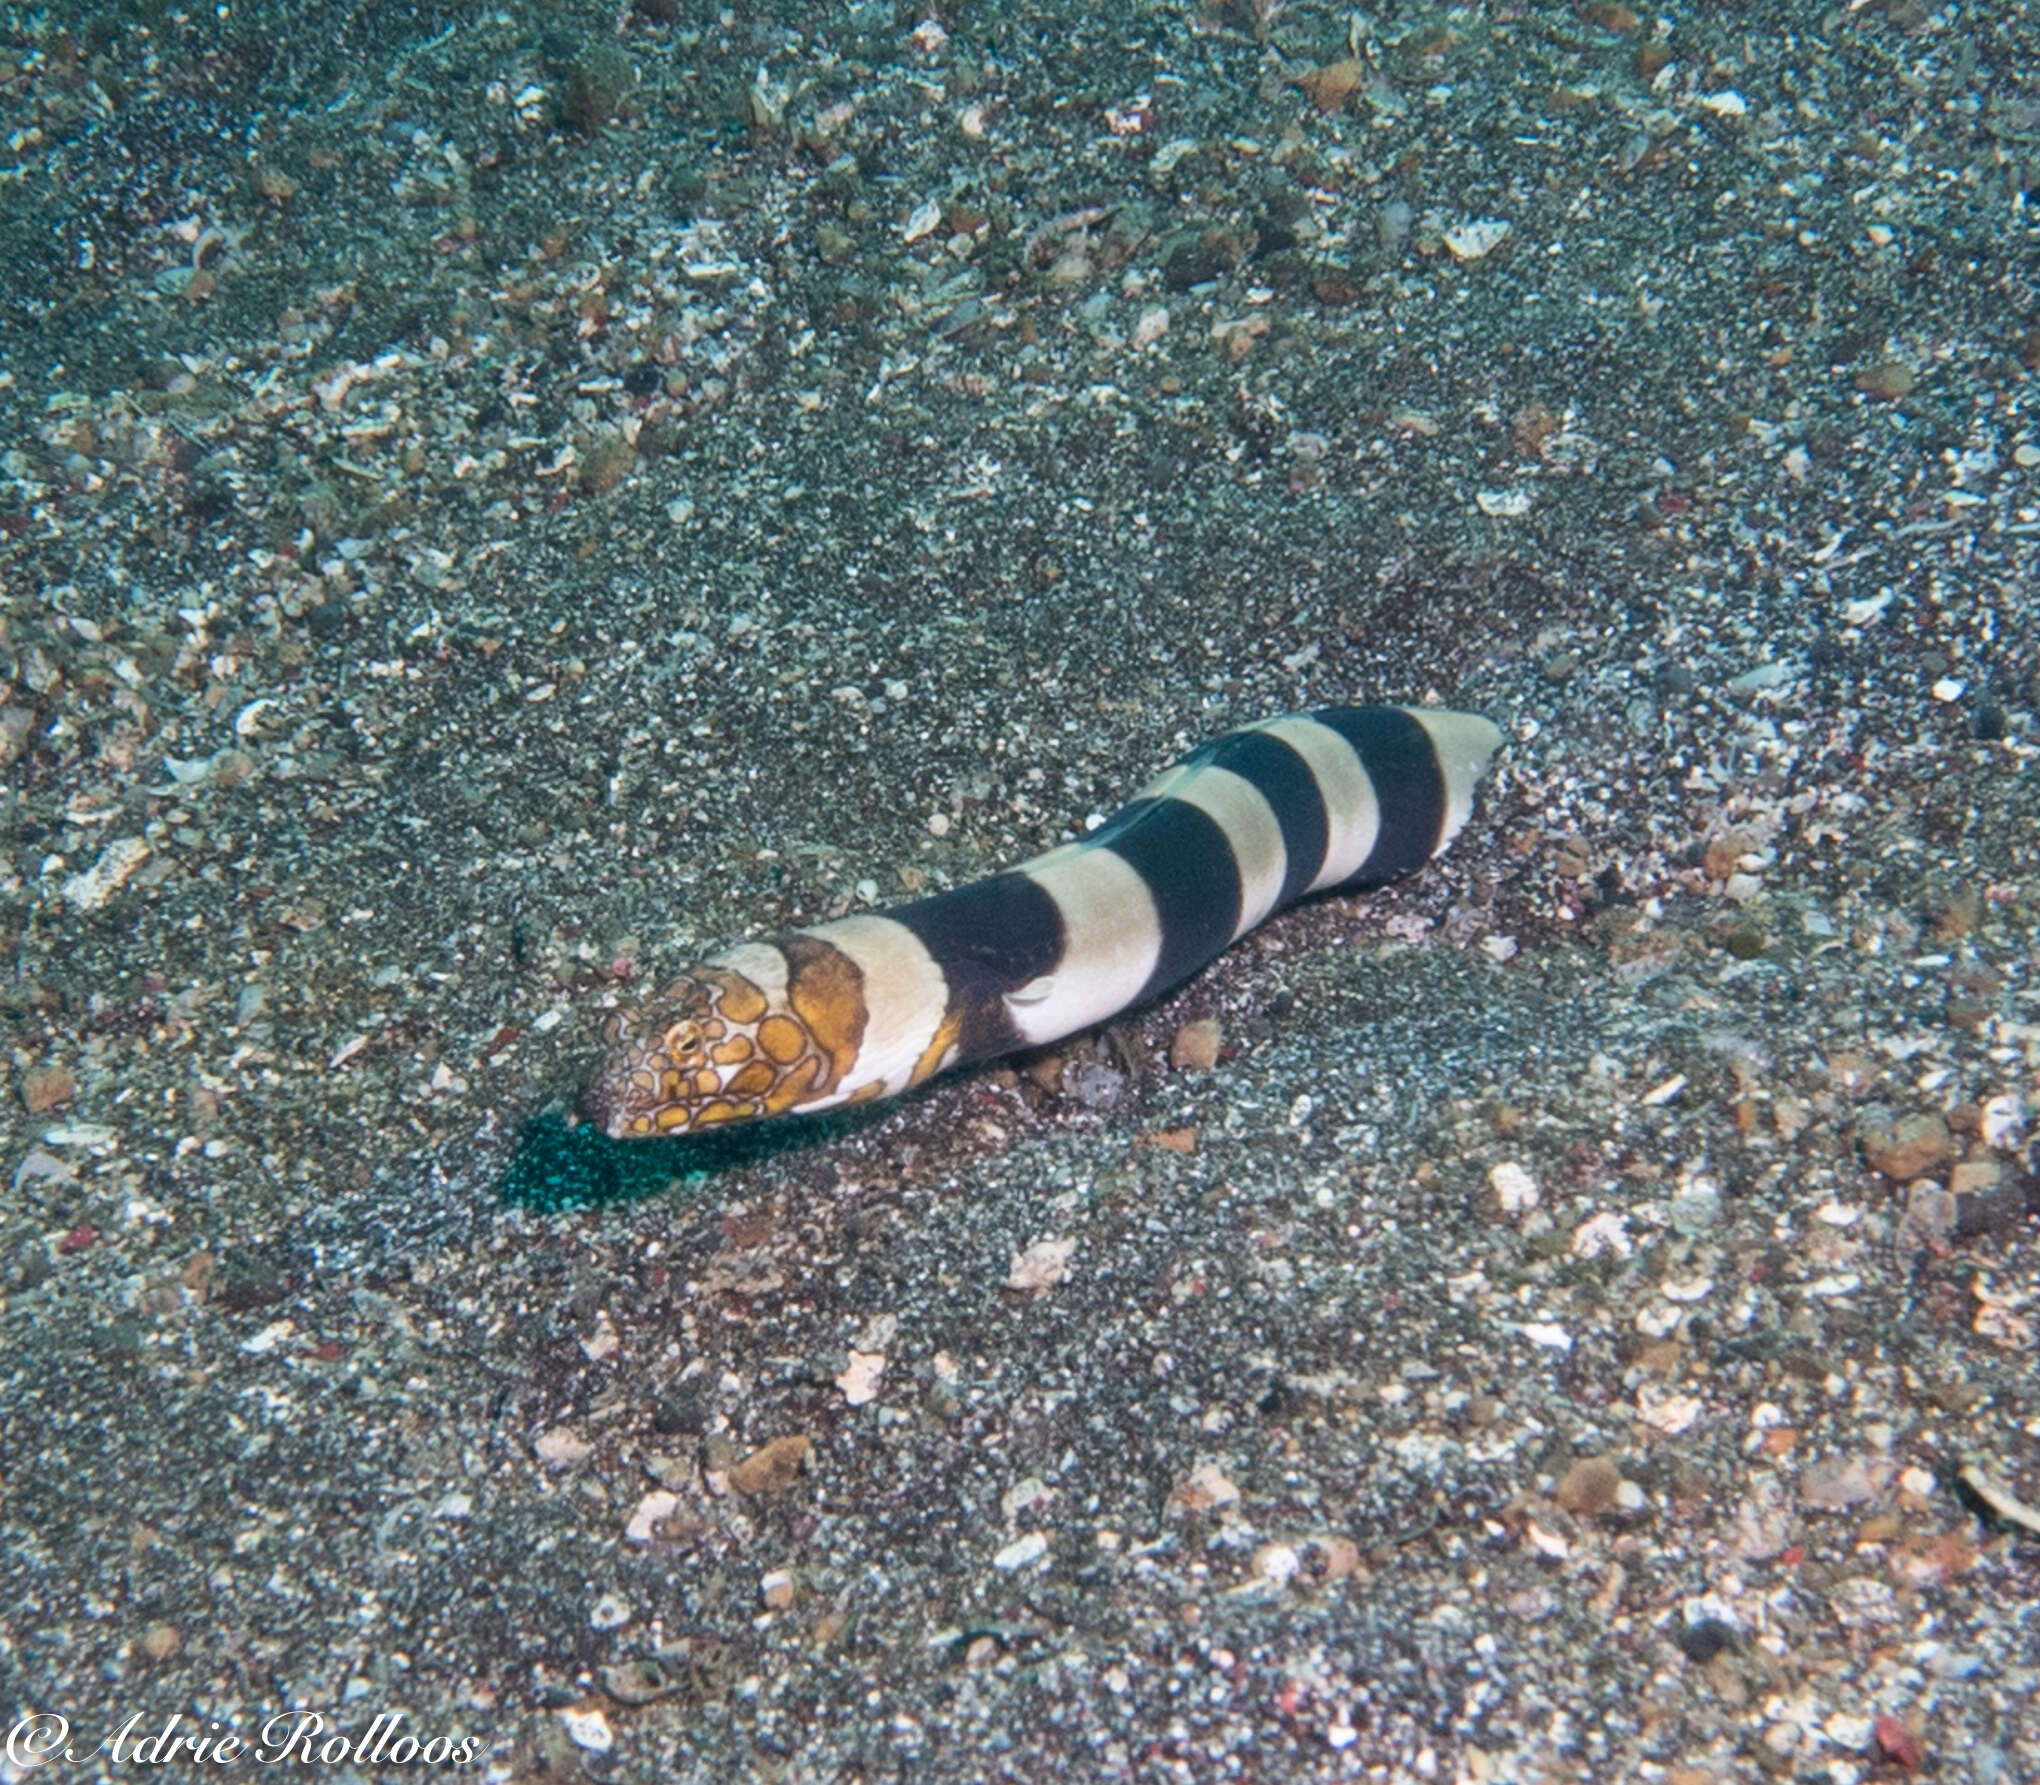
[{"x": 868, "y": 1006}]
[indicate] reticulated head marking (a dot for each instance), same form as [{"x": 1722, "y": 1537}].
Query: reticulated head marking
[{"x": 710, "y": 1049}]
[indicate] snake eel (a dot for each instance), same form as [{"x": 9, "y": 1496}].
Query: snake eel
[{"x": 869, "y": 1006}]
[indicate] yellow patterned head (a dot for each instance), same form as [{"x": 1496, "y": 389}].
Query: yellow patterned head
[{"x": 710, "y": 1049}]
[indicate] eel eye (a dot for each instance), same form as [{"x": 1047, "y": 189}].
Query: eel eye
[{"x": 683, "y": 1043}]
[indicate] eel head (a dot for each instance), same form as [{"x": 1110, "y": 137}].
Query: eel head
[{"x": 710, "y": 1049}]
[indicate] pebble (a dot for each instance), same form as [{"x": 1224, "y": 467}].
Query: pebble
[
  {"x": 44, "y": 1087},
  {"x": 1205, "y": 1487},
  {"x": 561, "y": 1447},
  {"x": 771, "y": 1466},
  {"x": 1887, "y": 382},
  {"x": 1276, "y": 1564},
  {"x": 1474, "y": 241},
  {"x": 655, "y": 1506},
  {"x": 116, "y": 865},
  {"x": 1194, "y": 1047},
  {"x": 1515, "y": 1189},
  {"x": 1588, "y": 1487},
  {"x": 1697, "y": 1208},
  {"x": 1903, "y": 1148},
  {"x": 1019, "y": 1553},
  {"x": 859, "y": 1380},
  {"x": 1094, "y": 1084},
  {"x": 1042, "y": 1266},
  {"x": 587, "y": 1728}
]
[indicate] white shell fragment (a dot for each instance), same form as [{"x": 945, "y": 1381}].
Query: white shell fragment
[
  {"x": 1602, "y": 1235},
  {"x": 587, "y": 1728},
  {"x": 117, "y": 861},
  {"x": 1042, "y": 1266},
  {"x": 859, "y": 1382},
  {"x": 658, "y": 1504},
  {"x": 1515, "y": 1189},
  {"x": 1470, "y": 241},
  {"x": 1022, "y": 1551}
]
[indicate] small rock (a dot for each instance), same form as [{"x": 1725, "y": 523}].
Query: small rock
[
  {"x": 1094, "y": 1084},
  {"x": 1839, "y": 1482},
  {"x": 1276, "y": 1564},
  {"x": 561, "y": 1447},
  {"x": 1205, "y": 1487},
  {"x": 587, "y": 1728},
  {"x": 1478, "y": 239},
  {"x": 596, "y": 86},
  {"x": 675, "y": 1473},
  {"x": 1195, "y": 1045},
  {"x": 1954, "y": 914},
  {"x": 685, "y": 1411},
  {"x": 1697, "y": 1207},
  {"x": 116, "y": 865},
  {"x": 859, "y": 1382},
  {"x": 1704, "y": 1639},
  {"x": 1024, "y": 1495},
  {"x": 1974, "y": 1176},
  {"x": 1763, "y": 1521},
  {"x": 1906, "y": 1148},
  {"x": 1022, "y": 1551},
  {"x": 1334, "y": 1558},
  {"x": 1588, "y": 1487},
  {"x": 651, "y": 1509},
  {"x": 1042, "y": 1266},
  {"x": 1515, "y": 1189},
  {"x": 1723, "y": 854},
  {"x": 1329, "y": 88},
  {"x": 45, "y": 1087},
  {"x": 1887, "y": 381},
  {"x": 771, "y": 1466},
  {"x": 1929, "y": 1223},
  {"x": 1898, "y": 1744}
]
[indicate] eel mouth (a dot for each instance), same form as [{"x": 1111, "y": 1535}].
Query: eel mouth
[
  {"x": 608, "y": 1097},
  {"x": 614, "y": 1091},
  {"x": 609, "y": 1101},
  {"x": 594, "y": 1106}
]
